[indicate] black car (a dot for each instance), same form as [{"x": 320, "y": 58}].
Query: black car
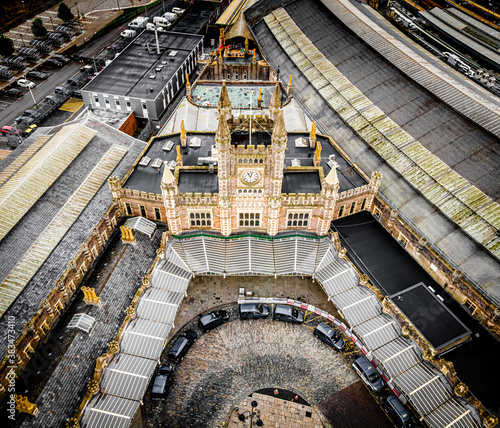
[
  {"x": 37, "y": 75},
  {"x": 13, "y": 93},
  {"x": 61, "y": 90},
  {"x": 398, "y": 413},
  {"x": 181, "y": 346},
  {"x": 62, "y": 58},
  {"x": 329, "y": 335},
  {"x": 367, "y": 372},
  {"x": 33, "y": 114},
  {"x": 53, "y": 63},
  {"x": 288, "y": 314},
  {"x": 162, "y": 383},
  {"x": 24, "y": 120},
  {"x": 212, "y": 320},
  {"x": 252, "y": 310}
]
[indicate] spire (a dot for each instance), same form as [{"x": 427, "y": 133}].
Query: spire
[
  {"x": 254, "y": 59},
  {"x": 179, "y": 156},
  {"x": 168, "y": 179},
  {"x": 312, "y": 136},
  {"x": 279, "y": 132},
  {"x": 222, "y": 134},
  {"x": 275, "y": 103},
  {"x": 183, "y": 134},
  {"x": 224, "y": 106}
]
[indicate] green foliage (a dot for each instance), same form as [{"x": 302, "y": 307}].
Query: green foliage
[
  {"x": 64, "y": 12},
  {"x": 37, "y": 28},
  {"x": 6, "y": 46}
]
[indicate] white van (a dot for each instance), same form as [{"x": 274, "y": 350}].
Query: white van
[
  {"x": 170, "y": 16},
  {"x": 163, "y": 22},
  {"x": 139, "y": 22},
  {"x": 128, "y": 34}
]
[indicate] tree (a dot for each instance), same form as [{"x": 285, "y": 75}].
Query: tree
[
  {"x": 37, "y": 27},
  {"x": 64, "y": 12},
  {"x": 6, "y": 46}
]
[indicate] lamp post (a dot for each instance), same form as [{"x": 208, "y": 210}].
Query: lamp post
[
  {"x": 32, "y": 96},
  {"x": 77, "y": 11},
  {"x": 251, "y": 414}
]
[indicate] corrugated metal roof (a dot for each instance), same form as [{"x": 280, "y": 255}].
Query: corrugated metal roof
[
  {"x": 110, "y": 412},
  {"x": 426, "y": 172}
]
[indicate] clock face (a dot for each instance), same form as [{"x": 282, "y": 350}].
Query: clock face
[{"x": 250, "y": 177}]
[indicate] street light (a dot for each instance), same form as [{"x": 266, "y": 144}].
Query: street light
[
  {"x": 32, "y": 96},
  {"x": 77, "y": 11}
]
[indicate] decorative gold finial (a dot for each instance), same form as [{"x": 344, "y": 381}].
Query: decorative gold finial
[
  {"x": 179, "y": 156},
  {"x": 254, "y": 59},
  {"x": 89, "y": 296},
  {"x": 23, "y": 405},
  {"x": 260, "y": 95},
  {"x": 317, "y": 154},
  {"x": 127, "y": 235},
  {"x": 183, "y": 134},
  {"x": 312, "y": 136}
]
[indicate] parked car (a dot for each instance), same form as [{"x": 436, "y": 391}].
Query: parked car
[
  {"x": 177, "y": 10},
  {"x": 52, "y": 99},
  {"x": 13, "y": 93},
  {"x": 61, "y": 90},
  {"x": 368, "y": 374},
  {"x": 25, "y": 120},
  {"x": 53, "y": 63},
  {"x": 7, "y": 129},
  {"x": 61, "y": 58},
  {"x": 25, "y": 83},
  {"x": 398, "y": 413},
  {"x": 28, "y": 131},
  {"x": 212, "y": 320},
  {"x": 37, "y": 75},
  {"x": 33, "y": 114},
  {"x": 288, "y": 314},
  {"x": 179, "y": 349},
  {"x": 252, "y": 310},
  {"x": 329, "y": 335},
  {"x": 162, "y": 383},
  {"x": 128, "y": 34}
]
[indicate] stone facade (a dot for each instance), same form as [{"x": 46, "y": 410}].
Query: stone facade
[{"x": 250, "y": 193}]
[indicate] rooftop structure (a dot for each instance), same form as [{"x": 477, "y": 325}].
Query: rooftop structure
[{"x": 146, "y": 75}]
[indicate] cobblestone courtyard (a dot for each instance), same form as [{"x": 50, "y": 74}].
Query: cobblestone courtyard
[{"x": 227, "y": 364}]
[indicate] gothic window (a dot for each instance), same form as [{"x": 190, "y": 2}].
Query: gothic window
[
  {"x": 363, "y": 204},
  {"x": 261, "y": 160},
  {"x": 157, "y": 214},
  {"x": 240, "y": 160},
  {"x": 200, "y": 219},
  {"x": 353, "y": 207},
  {"x": 296, "y": 219},
  {"x": 341, "y": 211},
  {"x": 129, "y": 208},
  {"x": 249, "y": 219},
  {"x": 143, "y": 210}
]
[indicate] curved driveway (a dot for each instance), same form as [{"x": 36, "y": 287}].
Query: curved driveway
[{"x": 239, "y": 357}]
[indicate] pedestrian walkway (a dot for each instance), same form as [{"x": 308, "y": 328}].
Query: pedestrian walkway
[{"x": 275, "y": 412}]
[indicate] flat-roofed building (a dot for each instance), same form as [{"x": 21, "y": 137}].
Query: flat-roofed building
[{"x": 146, "y": 76}]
